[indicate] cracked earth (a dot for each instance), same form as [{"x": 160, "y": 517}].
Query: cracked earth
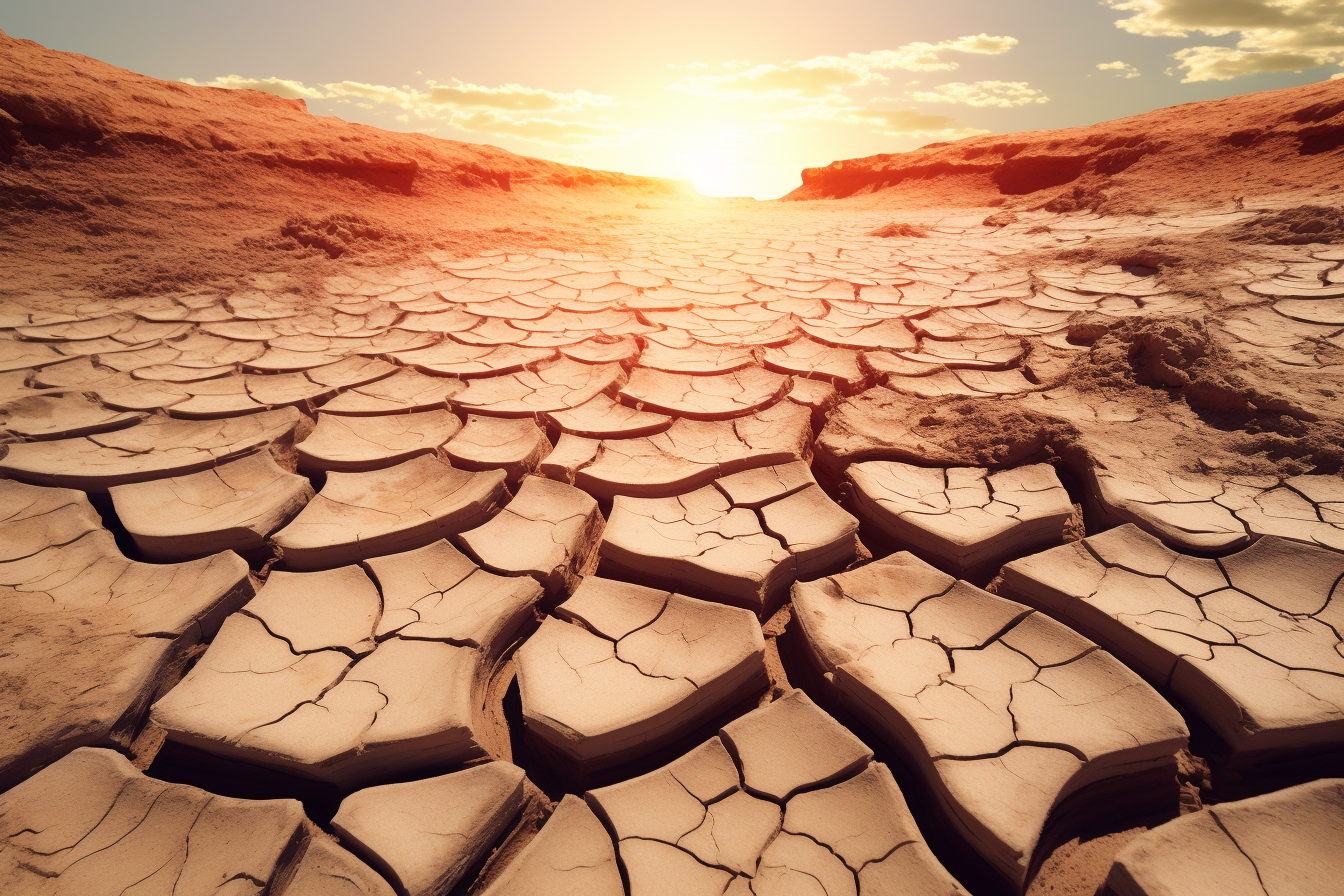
[
  {"x": 541, "y": 531},
  {"x": 678, "y": 546}
]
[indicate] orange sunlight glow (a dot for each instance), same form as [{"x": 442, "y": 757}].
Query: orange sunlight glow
[{"x": 716, "y": 171}]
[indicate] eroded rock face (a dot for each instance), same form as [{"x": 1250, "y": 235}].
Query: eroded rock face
[
  {"x": 1288, "y": 842},
  {"x": 962, "y": 518},
  {"x": 1004, "y": 712},
  {"x": 91, "y": 637},
  {"x": 1250, "y": 642},
  {"x": 623, "y": 670},
  {"x": 783, "y": 799},
  {"x": 424, "y": 835},
  {"x": 742, "y": 540},
  {"x": 92, "y": 824},
  {"x": 323, "y": 677}
]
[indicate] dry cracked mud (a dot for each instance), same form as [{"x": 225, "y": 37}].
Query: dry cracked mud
[{"x": 714, "y": 547}]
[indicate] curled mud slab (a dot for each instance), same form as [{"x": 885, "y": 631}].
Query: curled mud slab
[
  {"x": 1249, "y": 642},
  {"x": 1004, "y": 712}
]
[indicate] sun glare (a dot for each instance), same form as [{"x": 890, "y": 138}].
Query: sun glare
[{"x": 715, "y": 172}]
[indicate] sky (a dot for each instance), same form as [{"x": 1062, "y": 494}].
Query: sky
[{"x": 735, "y": 95}]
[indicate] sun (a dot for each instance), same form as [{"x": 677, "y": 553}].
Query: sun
[{"x": 718, "y": 171}]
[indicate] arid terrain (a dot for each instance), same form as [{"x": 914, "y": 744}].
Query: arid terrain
[{"x": 384, "y": 514}]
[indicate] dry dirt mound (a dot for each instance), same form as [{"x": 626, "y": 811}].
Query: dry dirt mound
[
  {"x": 1261, "y": 144},
  {"x": 151, "y": 184}
]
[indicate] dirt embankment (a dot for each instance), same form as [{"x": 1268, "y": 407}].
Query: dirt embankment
[
  {"x": 111, "y": 180},
  {"x": 1281, "y": 142}
]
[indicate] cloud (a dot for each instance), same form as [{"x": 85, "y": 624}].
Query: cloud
[
  {"x": 510, "y": 97},
  {"x": 888, "y": 122},
  {"x": 290, "y": 90},
  {"x": 1272, "y": 35},
  {"x": 1123, "y": 69},
  {"x": 538, "y": 130},
  {"x": 825, "y": 77},
  {"x": 510, "y": 110},
  {"x": 982, "y": 94}
]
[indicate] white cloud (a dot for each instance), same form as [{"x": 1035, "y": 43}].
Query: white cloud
[
  {"x": 290, "y": 90},
  {"x": 888, "y": 122},
  {"x": 825, "y": 77},
  {"x": 981, "y": 94},
  {"x": 509, "y": 110},
  {"x": 509, "y": 97},
  {"x": 538, "y": 130},
  {"x": 1272, "y": 35},
  {"x": 1122, "y": 69}
]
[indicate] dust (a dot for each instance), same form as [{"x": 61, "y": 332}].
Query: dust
[
  {"x": 899, "y": 229},
  {"x": 1298, "y": 226},
  {"x": 1195, "y": 265},
  {"x": 335, "y": 235},
  {"x": 1183, "y": 358}
]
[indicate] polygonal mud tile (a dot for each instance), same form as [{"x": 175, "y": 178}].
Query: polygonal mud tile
[
  {"x": 695, "y": 452},
  {"x": 405, "y": 390},
  {"x": 424, "y": 835},
  {"x": 91, "y": 637},
  {"x": 1203, "y": 513},
  {"x": 1003, "y": 712},
  {"x": 550, "y": 532},
  {"x": 713, "y": 397},
  {"x": 1181, "y": 510},
  {"x": 572, "y": 856},
  {"x": 231, "y": 507},
  {"x": 603, "y": 418},
  {"x": 557, "y": 386},
  {"x": 812, "y": 360},
  {"x": 60, "y": 416},
  {"x": 328, "y": 870},
  {"x": 784, "y": 800},
  {"x": 741, "y": 540},
  {"x": 91, "y": 824},
  {"x": 638, "y": 670},
  {"x": 516, "y": 446},
  {"x": 155, "y": 449},
  {"x": 360, "y": 515},
  {"x": 1289, "y": 842},
  {"x": 1250, "y": 642},
  {"x": 962, "y": 518},
  {"x": 570, "y": 454},
  {"x": 339, "y": 685},
  {"x": 697, "y": 359},
  {"x": 450, "y": 358},
  {"x": 701, "y": 543},
  {"x": 359, "y": 444}
]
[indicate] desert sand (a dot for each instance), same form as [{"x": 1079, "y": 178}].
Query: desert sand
[{"x": 385, "y": 514}]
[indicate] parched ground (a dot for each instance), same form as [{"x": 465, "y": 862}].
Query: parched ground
[{"x": 624, "y": 541}]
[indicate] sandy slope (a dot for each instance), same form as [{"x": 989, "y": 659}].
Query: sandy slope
[
  {"x": 1280, "y": 142},
  {"x": 111, "y": 180}
]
